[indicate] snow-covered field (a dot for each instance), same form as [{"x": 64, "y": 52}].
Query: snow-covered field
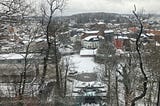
[
  {"x": 84, "y": 64},
  {"x": 90, "y": 105}
]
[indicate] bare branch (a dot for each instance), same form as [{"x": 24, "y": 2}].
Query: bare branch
[{"x": 140, "y": 61}]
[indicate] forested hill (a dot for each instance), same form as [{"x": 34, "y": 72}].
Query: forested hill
[{"x": 92, "y": 17}]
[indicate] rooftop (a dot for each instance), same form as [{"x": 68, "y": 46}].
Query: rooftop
[
  {"x": 94, "y": 37},
  {"x": 88, "y": 52},
  {"x": 108, "y": 31},
  {"x": 91, "y": 32},
  {"x": 11, "y": 56}
]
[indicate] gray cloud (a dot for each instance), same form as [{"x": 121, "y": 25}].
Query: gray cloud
[
  {"x": 112, "y": 6},
  {"x": 116, "y": 6}
]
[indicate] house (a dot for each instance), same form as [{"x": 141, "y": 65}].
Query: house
[
  {"x": 92, "y": 42},
  {"x": 101, "y": 26},
  {"x": 89, "y": 33},
  {"x": 14, "y": 58},
  {"x": 121, "y": 42},
  {"x": 108, "y": 34},
  {"x": 156, "y": 34},
  {"x": 133, "y": 29}
]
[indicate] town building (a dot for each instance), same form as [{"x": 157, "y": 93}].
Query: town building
[{"x": 92, "y": 42}]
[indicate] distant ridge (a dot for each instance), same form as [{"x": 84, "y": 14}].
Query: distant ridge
[{"x": 94, "y": 16}]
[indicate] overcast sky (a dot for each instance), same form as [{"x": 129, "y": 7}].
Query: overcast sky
[{"x": 112, "y": 6}]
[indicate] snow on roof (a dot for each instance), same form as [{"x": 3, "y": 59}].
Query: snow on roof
[
  {"x": 80, "y": 30},
  {"x": 143, "y": 35},
  {"x": 66, "y": 32},
  {"x": 121, "y": 37},
  {"x": 13, "y": 56},
  {"x": 157, "y": 44},
  {"x": 94, "y": 37},
  {"x": 92, "y": 83},
  {"x": 91, "y": 32},
  {"x": 5, "y": 48},
  {"x": 77, "y": 85},
  {"x": 133, "y": 39},
  {"x": 125, "y": 32},
  {"x": 100, "y": 23},
  {"x": 117, "y": 24},
  {"x": 40, "y": 39},
  {"x": 65, "y": 50},
  {"x": 108, "y": 31},
  {"x": 150, "y": 34},
  {"x": 88, "y": 52}
]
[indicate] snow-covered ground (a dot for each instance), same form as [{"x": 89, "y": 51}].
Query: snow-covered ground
[
  {"x": 83, "y": 64},
  {"x": 90, "y": 105}
]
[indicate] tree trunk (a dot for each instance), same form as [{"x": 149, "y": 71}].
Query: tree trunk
[
  {"x": 140, "y": 62},
  {"x": 109, "y": 88},
  {"x": 57, "y": 66},
  {"x": 158, "y": 98},
  {"x": 117, "y": 97},
  {"x": 65, "y": 82}
]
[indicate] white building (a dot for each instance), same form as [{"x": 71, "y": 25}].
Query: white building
[{"x": 91, "y": 42}]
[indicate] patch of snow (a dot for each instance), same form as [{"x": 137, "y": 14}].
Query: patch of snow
[
  {"x": 119, "y": 52},
  {"x": 125, "y": 32},
  {"x": 40, "y": 39},
  {"x": 100, "y": 23},
  {"x": 13, "y": 56},
  {"x": 121, "y": 37},
  {"x": 91, "y": 32},
  {"x": 157, "y": 44},
  {"x": 84, "y": 64},
  {"x": 77, "y": 85},
  {"x": 94, "y": 37},
  {"x": 143, "y": 35},
  {"x": 108, "y": 31},
  {"x": 93, "y": 104},
  {"x": 64, "y": 50},
  {"x": 133, "y": 39},
  {"x": 150, "y": 34},
  {"x": 5, "y": 48},
  {"x": 80, "y": 30},
  {"x": 88, "y": 52}
]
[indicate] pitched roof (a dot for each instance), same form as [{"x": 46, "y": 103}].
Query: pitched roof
[
  {"x": 91, "y": 32},
  {"x": 94, "y": 38}
]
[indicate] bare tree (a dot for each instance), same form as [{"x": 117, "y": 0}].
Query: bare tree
[
  {"x": 127, "y": 78},
  {"x": 15, "y": 9},
  {"x": 138, "y": 47},
  {"x": 66, "y": 66},
  {"x": 106, "y": 56},
  {"x": 152, "y": 61},
  {"x": 51, "y": 30}
]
